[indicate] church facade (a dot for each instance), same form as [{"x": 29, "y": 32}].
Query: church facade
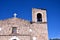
[{"x": 20, "y": 29}]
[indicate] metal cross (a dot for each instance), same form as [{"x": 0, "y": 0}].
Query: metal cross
[{"x": 15, "y": 14}]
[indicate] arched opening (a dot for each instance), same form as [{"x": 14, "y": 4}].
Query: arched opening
[
  {"x": 39, "y": 17},
  {"x": 14, "y": 39}
]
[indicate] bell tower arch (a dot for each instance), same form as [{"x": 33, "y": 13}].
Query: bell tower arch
[{"x": 39, "y": 15}]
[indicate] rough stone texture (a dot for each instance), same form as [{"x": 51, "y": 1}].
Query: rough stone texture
[
  {"x": 20, "y": 37},
  {"x": 39, "y": 30},
  {"x": 36, "y": 11}
]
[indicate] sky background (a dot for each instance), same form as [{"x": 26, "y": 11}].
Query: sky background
[{"x": 24, "y": 10}]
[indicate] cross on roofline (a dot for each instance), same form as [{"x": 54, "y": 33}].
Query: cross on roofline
[{"x": 15, "y": 15}]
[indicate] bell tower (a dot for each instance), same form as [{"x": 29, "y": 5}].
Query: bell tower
[
  {"x": 39, "y": 20},
  {"x": 39, "y": 15}
]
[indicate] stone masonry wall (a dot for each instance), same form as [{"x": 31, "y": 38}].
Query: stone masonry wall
[{"x": 23, "y": 28}]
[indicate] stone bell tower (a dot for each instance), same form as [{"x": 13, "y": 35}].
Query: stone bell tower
[
  {"x": 39, "y": 15},
  {"x": 39, "y": 19}
]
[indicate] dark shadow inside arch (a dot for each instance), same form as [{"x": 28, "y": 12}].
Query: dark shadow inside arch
[
  {"x": 39, "y": 17},
  {"x": 14, "y": 39}
]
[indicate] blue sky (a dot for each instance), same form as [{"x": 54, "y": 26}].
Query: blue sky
[{"x": 24, "y": 10}]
